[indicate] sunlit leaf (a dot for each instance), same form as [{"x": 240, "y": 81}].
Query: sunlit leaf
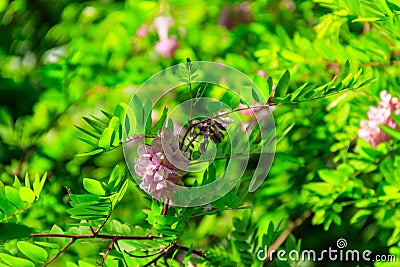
[{"x": 33, "y": 252}]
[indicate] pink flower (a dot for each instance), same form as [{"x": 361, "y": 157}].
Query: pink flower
[
  {"x": 380, "y": 115},
  {"x": 166, "y": 47},
  {"x": 142, "y": 31},
  {"x": 160, "y": 169},
  {"x": 262, "y": 73},
  {"x": 162, "y": 25}
]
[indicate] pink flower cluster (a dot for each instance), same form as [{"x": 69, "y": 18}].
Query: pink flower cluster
[
  {"x": 381, "y": 115},
  {"x": 161, "y": 168},
  {"x": 167, "y": 45}
]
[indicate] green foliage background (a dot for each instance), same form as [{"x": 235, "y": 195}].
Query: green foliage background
[{"x": 63, "y": 60}]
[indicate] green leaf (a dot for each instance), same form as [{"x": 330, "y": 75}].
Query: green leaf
[
  {"x": 93, "y": 186},
  {"x": 289, "y": 158},
  {"x": 147, "y": 115},
  {"x": 255, "y": 95},
  {"x": 14, "y": 261},
  {"x": 27, "y": 181},
  {"x": 120, "y": 111},
  {"x": 27, "y": 195},
  {"x": 331, "y": 177},
  {"x": 121, "y": 192},
  {"x": 38, "y": 184},
  {"x": 17, "y": 183},
  {"x": 219, "y": 203},
  {"x": 87, "y": 141},
  {"x": 91, "y": 153},
  {"x": 392, "y": 132},
  {"x": 139, "y": 114},
  {"x": 32, "y": 251},
  {"x": 231, "y": 99},
  {"x": 214, "y": 106},
  {"x": 262, "y": 84},
  {"x": 321, "y": 188},
  {"x": 115, "y": 124},
  {"x": 78, "y": 212},
  {"x": 365, "y": 19},
  {"x": 344, "y": 72},
  {"x": 106, "y": 138},
  {"x": 298, "y": 91},
  {"x": 396, "y": 118},
  {"x": 106, "y": 114},
  {"x": 10, "y": 231},
  {"x": 283, "y": 84},
  {"x": 360, "y": 215},
  {"x": 47, "y": 245},
  {"x": 92, "y": 134},
  {"x": 231, "y": 199},
  {"x": 12, "y": 195},
  {"x": 161, "y": 122},
  {"x": 166, "y": 219},
  {"x": 367, "y": 81},
  {"x": 6, "y": 206},
  {"x": 395, "y": 2},
  {"x": 97, "y": 124},
  {"x": 84, "y": 198},
  {"x": 112, "y": 182},
  {"x": 270, "y": 84},
  {"x": 284, "y": 133}
]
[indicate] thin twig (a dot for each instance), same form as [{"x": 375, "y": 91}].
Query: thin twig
[
  {"x": 191, "y": 142},
  {"x": 187, "y": 132},
  {"x": 165, "y": 207},
  {"x": 105, "y": 220},
  {"x": 114, "y": 239},
  {"x": 91, "y": 229},
  {"x": 60, "y": 252},
  {"x": 282, "y": 237},
  {"x": 119, "y": 249},
  {"x": 91, "y": 236},
  {"x": 162, "y": 254},
  {"x": 144, "y": 256},
  {"x": 108, "y": 251},
  {"x": 229, "y": 157},
  {"x": 194, "y": 251}
]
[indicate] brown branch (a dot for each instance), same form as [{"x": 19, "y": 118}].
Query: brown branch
[
  {"x": 143, "y": 256},
  {"x": 282, "y": 237},
  {"x": 162, "y": 254},
  {"x": 108, "y": 251},
  {"x": 194, "y": 251},
  {"x": 91, "y": 236},
  {"x": 91, "y": 229},
  {"x": 165, "y": 207},
  {"x": 60, "y": 252},
  {"x": 105, "y": 220},
  {"x": 114, "y": 239},
  {"x": 187, "y": 132},
  {"x": 191, "y": 142}
]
